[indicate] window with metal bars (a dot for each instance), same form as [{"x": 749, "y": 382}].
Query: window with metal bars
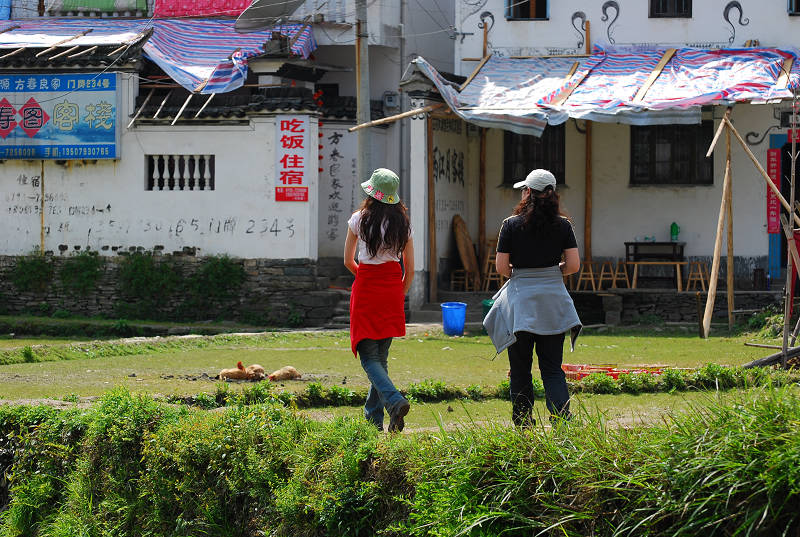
[
  {"x": 523, "y": 153},
  {"x": 527, "y": 9},
  {"x": 672, "y": 154},
  {"x": 670, "y": 8},
  {"x": 179, "y": 172},
  {"x": 794, "y": 7}
]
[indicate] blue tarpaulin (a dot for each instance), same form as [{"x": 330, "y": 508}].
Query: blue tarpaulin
[{"x": 202, "y": 55}]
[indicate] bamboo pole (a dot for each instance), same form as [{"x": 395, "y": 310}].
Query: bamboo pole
[
  {"x": 587, "y": 198},
  {"x": 433, "y": 269},
  {"x": 139, "y": 111},
  {"x": 763, "y": 173},
  {"x": 485, "y": 39},
  {"x": 730, "y": 269},
  {"x": 789, "y": 232},
  {"x": 474, "y": 73},
  {"x": 712, "y": 283},
  {"x": 391, "y": 119},
  {"x": 41, "y": 206},
  {"x": 482, "y": 200}
]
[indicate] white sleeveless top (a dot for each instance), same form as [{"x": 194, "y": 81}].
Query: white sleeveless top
[{"x": 383, "y": 256}]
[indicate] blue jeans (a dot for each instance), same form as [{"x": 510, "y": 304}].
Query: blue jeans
[{"x": 382, "y": 394}]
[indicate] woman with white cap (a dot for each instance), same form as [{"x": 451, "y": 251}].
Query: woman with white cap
[
  {"x": 535, "y": 249},
  {"x": 381, "y": 232}
]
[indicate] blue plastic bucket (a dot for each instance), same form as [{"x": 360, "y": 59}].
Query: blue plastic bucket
[{"x": 453, "y": 316}]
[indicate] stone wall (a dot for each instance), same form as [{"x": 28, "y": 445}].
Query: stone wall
[
  {"x": 633, "y": 306},
  {"x": 276, "y": 292}
]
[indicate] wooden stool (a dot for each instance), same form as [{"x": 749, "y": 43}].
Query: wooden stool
[
  {"x": 698, "y": 273},
  {"x": 621, "y": 274},
  {"x": 460, "y": 280},
  {"x": 606, "y": 274},
  {"x": 586, "y": 277},
  {"x": 569, "y": 282},
  {"x": 490, "y": 273}
]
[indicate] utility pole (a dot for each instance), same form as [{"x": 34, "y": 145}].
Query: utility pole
[{"x": 364, "y": 166}]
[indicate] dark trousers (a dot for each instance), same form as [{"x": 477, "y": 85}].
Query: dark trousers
[{"x": 550, "y": 351}]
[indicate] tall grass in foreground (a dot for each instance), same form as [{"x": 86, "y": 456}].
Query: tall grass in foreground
[{"x": 130, "y": 466}]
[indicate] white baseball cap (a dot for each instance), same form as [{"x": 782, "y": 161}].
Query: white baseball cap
[{"x": 538, "y": 180}]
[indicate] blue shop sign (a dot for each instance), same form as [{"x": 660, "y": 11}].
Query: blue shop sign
[{"x": 59, "y": 116}]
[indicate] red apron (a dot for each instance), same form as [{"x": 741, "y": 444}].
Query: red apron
[{"x": 377, "y": 303}]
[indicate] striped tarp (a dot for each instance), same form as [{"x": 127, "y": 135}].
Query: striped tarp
[
  {"x": 202, "y": 55},
  {"x": 523, "y": 95}
]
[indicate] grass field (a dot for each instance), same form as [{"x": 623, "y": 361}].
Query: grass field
[{"x": 166, "y": 367}]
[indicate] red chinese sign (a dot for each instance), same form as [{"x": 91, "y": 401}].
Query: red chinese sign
[
  {"x": 291, "y": 193},
  {"x": 773, "y": 205},
  {"x": 795, "y": 133},
  {"x": 292, "y": 158}
]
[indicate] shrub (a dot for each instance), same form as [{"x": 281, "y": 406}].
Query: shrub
[
  {"x": 341, "y": 396},
  {"x": 673, "y": 380},
  {"x": 636, "y": 383},
  {"x": 217, "y": 280},
  {"x": 475, "y": 392},
  {"x": 32, "y": 273},
  {"x": 27, "y": 355},
  {"x": 79, "y": 273},
  {"x": 146, "y": 286},
  {"x": 600, "y": 383},
  {"x": 768, "y": 323}
]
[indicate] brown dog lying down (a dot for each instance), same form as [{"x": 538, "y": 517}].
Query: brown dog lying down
[
  {"x": 251, "y": 372},
  {"x": 284, "y": 373}
]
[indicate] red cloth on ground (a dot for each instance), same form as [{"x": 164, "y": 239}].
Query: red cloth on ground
[{"x": 377, "y": 303}]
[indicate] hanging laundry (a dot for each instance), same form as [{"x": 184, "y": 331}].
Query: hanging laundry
[{"x": 200, "y": 8}]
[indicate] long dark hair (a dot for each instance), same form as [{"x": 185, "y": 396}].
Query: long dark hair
[
  {"x": 540, "y": 211},
  {"x": 384, "y": 227}
]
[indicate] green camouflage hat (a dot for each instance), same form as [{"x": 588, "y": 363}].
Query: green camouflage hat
[{"x": 383, "y": 186}]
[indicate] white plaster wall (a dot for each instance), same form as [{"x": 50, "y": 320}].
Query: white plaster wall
[
  {"x": 501, "y": 200},
  {"x": 627, "y": 23},
  {"x": 456, "y": 189},
  {"x": 622, "y": 212},
  {"x": 103, "y": 205}
]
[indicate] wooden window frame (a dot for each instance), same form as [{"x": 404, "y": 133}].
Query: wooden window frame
[
  {"x": 695, "y": 140},
  {"x": 548, "y": 152},
  {"x": 510, "y": 5},
  {"x": 672, "y": 13}
]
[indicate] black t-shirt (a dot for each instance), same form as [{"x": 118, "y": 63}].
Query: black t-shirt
[{"x": 530, "y": 251}]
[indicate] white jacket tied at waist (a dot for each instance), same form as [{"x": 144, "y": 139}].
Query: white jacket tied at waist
[{"x": 534, "y": 300}]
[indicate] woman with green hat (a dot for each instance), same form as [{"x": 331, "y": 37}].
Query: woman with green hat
[{"x": 381, "y": 234}]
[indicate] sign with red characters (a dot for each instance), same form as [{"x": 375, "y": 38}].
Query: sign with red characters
[
  {"x": 773, "y": 205},
  {"x": 291, "y": 156}
]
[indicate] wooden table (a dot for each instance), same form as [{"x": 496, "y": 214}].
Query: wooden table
[{"x": 676, "y": 264}]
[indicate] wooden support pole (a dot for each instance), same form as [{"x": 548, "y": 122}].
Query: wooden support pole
[
  {"x": 205, "y": 104},
  {"x": 773, "y": 359},
  {"x": 41, "y": 207},
  {"x": 588, "y": 38},
  {"x": 391, "y": 119},
  {"x": 654, "y": 75},
  {"x": 433, "y": 269},
  {"x": 587, "y": 203},
  {"x": 730, "y": 269},
  {"x": 139, "y": 111},
  {"x": 83, "y": 52},
  {"x": 482, "y": 201},
  {"x": 64, "y": 53},
  {"x": 474, "y": 73},
  {"x": 712, "y": 282},
  {"x": 763, "y": 173},
  {"x": 12, "y": 53},
  {"x": 67, "y": 40},
  {"x": 180, "y": 112},
  {"x": 485, "y": 39},
  {"x": 161, "y": 106}
]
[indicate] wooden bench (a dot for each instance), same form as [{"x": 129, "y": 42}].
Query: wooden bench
[{"x": 676, "y": 264}]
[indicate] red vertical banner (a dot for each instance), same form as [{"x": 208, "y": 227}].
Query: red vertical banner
[
  {"x": 291, "y": 156},
  {"x": 773, "y": 205},
  {"x": 795, "y": 133}
]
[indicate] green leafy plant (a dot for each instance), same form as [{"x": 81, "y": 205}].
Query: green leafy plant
[
  {"x": 32, "y": 273},
  {"x": 146, "y": 285},
  {"x": 217, "y": 280},
  {"x": 475, "y": 392},
  {"x": 61, "y": 314},
  {"x": 79, "y": 273},
  {"x": 27, "y": 355},
  {"x": 600, "y": 383}
]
